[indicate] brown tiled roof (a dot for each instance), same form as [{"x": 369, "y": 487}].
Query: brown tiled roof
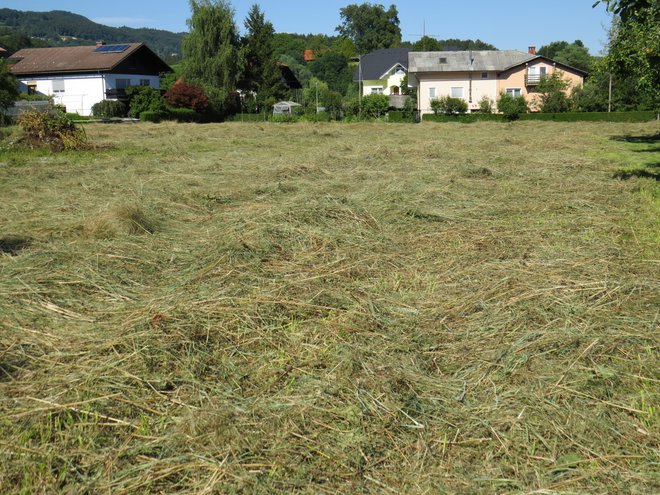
[{"x": 68, "y": 59}]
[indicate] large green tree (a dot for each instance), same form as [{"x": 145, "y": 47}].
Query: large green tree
[
  {"x": 211, "y": 52},
  {"x": 8, "y": 87},
  {"x": 260, "y": 73},
  {"x": 634, "y": 48},
  {"x": 370, "y": 26},
  {"x": 333, "y": 68},
  {"x": 629, "y": 9},
  {"x": 573, "y": 54}
]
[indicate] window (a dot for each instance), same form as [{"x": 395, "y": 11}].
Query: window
[
  {"x": 58, "y": 86},
  {"x": 32, "y": 88},
  {"x": 376, "y": 91},
  {"x": 484, "y": 75},
  {"x": 457, "y": 92},
  {"x": 123, "y": 83},
  {"x": 443, "y": 60},
  {"x": 431, "y": 92},
  {"x": 514, "y": 92},
  {"x": 145, "y": 82}
]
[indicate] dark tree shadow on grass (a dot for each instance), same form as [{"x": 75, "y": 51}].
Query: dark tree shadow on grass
[{"x": 649, "y": 139}]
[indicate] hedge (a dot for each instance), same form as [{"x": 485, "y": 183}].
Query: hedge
[
  {"x": 639, "y": 116},
  {"x": 556, "y": 117},
  {"x": 398, "y": 117},
  {"x": 183, "y": 115},
  {"x": 150, "y": 116},
  {"x": 465, "y": 118}
]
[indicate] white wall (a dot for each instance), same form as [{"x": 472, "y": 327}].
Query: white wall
[{"x": 81, "y": 92}]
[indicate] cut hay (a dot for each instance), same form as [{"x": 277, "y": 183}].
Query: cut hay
[
  {"x": 118, "y": 220},
  {"x": 361, "y": 314}
]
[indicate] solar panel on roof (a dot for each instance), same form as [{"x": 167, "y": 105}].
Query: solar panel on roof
[{"x": 112, "y": 48}]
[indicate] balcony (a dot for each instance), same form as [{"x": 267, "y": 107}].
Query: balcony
[{"x": 534, "y": 79}]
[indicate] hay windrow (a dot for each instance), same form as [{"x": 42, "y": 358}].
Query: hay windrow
[
  {"x": 371, "y": 313},
  {"x": 119, "y": 219}
]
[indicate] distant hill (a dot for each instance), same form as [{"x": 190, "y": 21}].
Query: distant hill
[{"x": 60, "y": 28}]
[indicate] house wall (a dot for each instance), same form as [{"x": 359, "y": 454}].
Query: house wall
[
  {"x": 81, "y": 92},
  {"x": 490, "y": 87},
  {"x": 386, "y": 84},
  {"x": 516, "y": 79}
]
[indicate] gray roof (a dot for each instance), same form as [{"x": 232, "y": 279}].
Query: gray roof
[
  {"x": 482, "y": 60},
  {"x": 376, "y": 64}
]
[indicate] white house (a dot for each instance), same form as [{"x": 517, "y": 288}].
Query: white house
[{"x": 80, "y": 76}]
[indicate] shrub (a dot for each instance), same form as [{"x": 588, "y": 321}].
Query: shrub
[
  {"x": 108, "y": 109},
  {"x": 448, "y": 105},
  {"x": 144, "y": 99},
  {"x": 182, "y": 95},
  {"x": 511, "y": 106},
  {"x": 52, "y": 129},
  {"x": 399, "y": 116},
  {"x": 486, "y": 105},
  {"x": 375, "y": 106},
  {"x": 151, "y": 116},
  {"x": 183, "y": 115}
]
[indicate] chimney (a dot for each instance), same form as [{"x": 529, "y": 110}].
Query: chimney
[
  {"x": 532, "y": 50},
  {"x": 100, "y": 43}
]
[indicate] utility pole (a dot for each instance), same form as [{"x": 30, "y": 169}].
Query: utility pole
[{"x": 609, "y": 100}]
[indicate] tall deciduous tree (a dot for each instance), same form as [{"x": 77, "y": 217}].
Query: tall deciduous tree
[
  {"x": 370, "y": 26},
  {"x": 8, "y": 86},
  {"x": 260, "y": 73},
  {"x": 211, "y": 52},
  {"x": 634, "y": 49},
  {"x": 572, "y": 54}
]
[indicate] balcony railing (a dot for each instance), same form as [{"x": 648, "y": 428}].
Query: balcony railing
[{"x": 534, "y": 79}]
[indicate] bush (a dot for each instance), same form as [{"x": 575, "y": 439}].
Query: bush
[
  {"x": 448, "y": 105},
  {"x": 375, "y": 106},
  {"x": 144, "y": 99},
  {"x": 151, "y": 116},
  {"x": 400, "y": 116},
  {"x": 108, "y": 109},
  {"x": 511, "y": 106},
  {"x": 189, "y": 96},
  {"x": 52, "y": 129},
  {"x": 486, "y": 105},
  {"x": 183, "y": 115}
]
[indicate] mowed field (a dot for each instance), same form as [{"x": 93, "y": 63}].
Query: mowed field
[{"x": 332, "y": 309}]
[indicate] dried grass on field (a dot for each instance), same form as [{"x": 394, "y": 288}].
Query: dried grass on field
[{"x": 331, "y": 309}]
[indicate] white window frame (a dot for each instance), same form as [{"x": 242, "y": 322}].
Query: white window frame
[
  {"x": 377, "y": 91},
  {"x": 431, "y": 93},
  {"x": 515, "y": 92},
  {"x": 484, "y": 75},
  {"x": 457, "y": 92},
  {"x": 58, "y": 86}
]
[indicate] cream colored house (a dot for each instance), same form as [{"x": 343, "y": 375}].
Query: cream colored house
[{"x": 473, "y": 75}]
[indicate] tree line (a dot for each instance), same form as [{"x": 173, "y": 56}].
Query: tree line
[{"x": 241, "y": 72}]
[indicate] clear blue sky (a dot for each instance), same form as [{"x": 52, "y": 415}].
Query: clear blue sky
[{"x": 512, "y": 24}]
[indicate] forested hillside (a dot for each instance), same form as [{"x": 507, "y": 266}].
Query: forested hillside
[{"x": 59, "y": 28}]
